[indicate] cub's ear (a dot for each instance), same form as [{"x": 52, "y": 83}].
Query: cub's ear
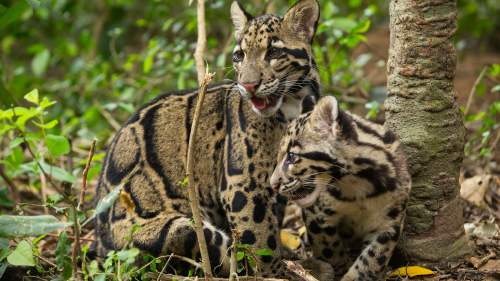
[
  {"x": 240, "y": 18},
  {"x": 325, "y": 114},
  {"x": 302, "y": 19}
]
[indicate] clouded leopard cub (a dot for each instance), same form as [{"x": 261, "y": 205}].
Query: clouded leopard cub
[{"x": 350, "y": 177}]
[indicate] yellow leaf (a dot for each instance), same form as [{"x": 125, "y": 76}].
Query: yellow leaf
[
  {"x": 302, "y": 231},
  {"x": 289, "y": 240},
  {"x": 411, "y": 271}
]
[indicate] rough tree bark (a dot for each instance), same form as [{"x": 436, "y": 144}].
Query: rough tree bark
[{"x": 421, "y": 108}]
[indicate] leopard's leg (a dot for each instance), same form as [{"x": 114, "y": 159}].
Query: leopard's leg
[
  {"x": 325, "y": 239},
  {"x": 251, "y": 214},
  {"x": 170, "y": 233},
  {"x": 378, "y": 249}
]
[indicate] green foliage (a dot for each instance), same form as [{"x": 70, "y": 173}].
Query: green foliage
[
  {"x": 23, "y": 226},
  {"x": 246, "y": 256},
  {"x": 63, "y": 256},
  {"x": 22, "y": 255},
  {"x": 485, "y": 123}
]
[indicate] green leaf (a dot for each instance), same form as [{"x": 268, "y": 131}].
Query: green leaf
[
  {"x": 496, "y": 88},
  {"x": 105, "y": 203},
  {"x": 46, "y": 103},
  {"x": 13, "y": 13},
  {"x": 48, "y": 125},
  {"x": 23, "y": 226},
  {"x": 5, "y": 201},
  {"x": 63, "y": 257},
  {"x": 32, "y": 96},
  {"x": 240, "y": 256},
  {"x": 57, "y": 145},
  {"x": 3, "y": 267},
  {"x": 40, "y": 62},
  {"x": 22, "y": 255},
  {"x": 34, "y": 3},
  {"x": 362, "y": 27},
  {"x": 264, "y": 252},
  {"x": 58, "y": 173},
  {"x": 4, "y": 249},
  {"x": 344, "y": 24}
]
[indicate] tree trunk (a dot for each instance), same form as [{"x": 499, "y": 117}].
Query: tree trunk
[{"x": 421, "y": 108}]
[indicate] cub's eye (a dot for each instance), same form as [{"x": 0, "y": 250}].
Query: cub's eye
[
  {"x": 238, "y": 56},
  {"x": 291, "y": 158},
  {"x": 273, "y": 53}
]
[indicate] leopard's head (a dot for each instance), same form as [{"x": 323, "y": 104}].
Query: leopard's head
[{"x": 273, "y": 59}]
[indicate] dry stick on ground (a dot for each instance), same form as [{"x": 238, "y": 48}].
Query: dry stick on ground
[
  {"x": 473, "y": 90},
  {"x": 201, "y": 43},
  {"x": 233, "y": 262},
  {"x": 171, "y": 277},
  {"x": 76, "y": 224},
  {"x": 43, "y": 192},
  {"x": 193, "y": 191},
  {"x": 85, "y": 173},
  {"x": 298, "y": 271}
]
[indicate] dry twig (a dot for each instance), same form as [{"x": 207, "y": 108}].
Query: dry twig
[
  {"x": 85, "y": 173},
  {"x": 201, "y": 43},
  {"x": 171, "y": 277},
  {"x": 233, "y": 262},
  {"x": 473, "y": 90},
  {"x": 192, "y": 190},
  {"x": 298, "y": 271}
]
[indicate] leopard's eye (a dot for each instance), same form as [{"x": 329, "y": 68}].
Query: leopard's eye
[
  {"x": 238, "y": 56},
  {"x": 273, "y": 53},
  {"x": 291, "y": 158}
]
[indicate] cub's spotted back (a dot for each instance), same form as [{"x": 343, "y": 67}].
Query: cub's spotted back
[{"x": 351, "y": 178}]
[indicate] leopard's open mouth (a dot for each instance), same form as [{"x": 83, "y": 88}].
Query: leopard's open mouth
[{"x": 263, "y": 103}]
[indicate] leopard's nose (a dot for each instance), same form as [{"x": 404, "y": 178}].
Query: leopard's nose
[{"x": 250, "y": 87}]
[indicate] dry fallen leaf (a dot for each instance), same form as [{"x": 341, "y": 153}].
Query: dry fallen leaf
[
  {"x": 290, "y": 240},
  {"x": 473, "y": 189},
  {"x": 411, "y": 271},
  {"x": 492, "y": 266}
]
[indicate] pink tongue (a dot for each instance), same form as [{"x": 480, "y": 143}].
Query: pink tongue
[{"x": 259, "y": 103}]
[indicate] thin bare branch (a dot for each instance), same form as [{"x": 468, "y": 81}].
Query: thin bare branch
[
  {"x": 201, "y": 43},
  {"x": 474, "y": 89},
  {"x": 192, "y": 190},
  {"x": 85, "y": 173},
  {"x": 298, "y": 272},
  {"x": 171, "y": 277}
]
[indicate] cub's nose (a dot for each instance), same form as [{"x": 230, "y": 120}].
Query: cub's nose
[
  {"x": 275, "y": 182},
  {"x": 250, "y": 87}
]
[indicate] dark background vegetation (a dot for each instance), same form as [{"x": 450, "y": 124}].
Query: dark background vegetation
[{"x": 94, "y": 62}]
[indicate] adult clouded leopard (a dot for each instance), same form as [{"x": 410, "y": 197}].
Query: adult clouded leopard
[
  {"x": 239, "y": 132},
  {"x": 350, "y": 176}
]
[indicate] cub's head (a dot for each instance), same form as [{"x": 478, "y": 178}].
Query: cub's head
[
  {"x": 333, "y": 150},
  {"x": 308, "y": 161},
  {"x": 273, "y": 58}
]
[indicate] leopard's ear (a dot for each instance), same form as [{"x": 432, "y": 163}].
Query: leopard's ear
[
  {"x": 302, "y": 19},
  {"x": 325, "y": 113},
  {"x": 240, "y": 18}
]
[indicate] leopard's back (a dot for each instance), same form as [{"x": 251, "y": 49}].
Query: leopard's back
[{"x": 147, "y": 159}]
